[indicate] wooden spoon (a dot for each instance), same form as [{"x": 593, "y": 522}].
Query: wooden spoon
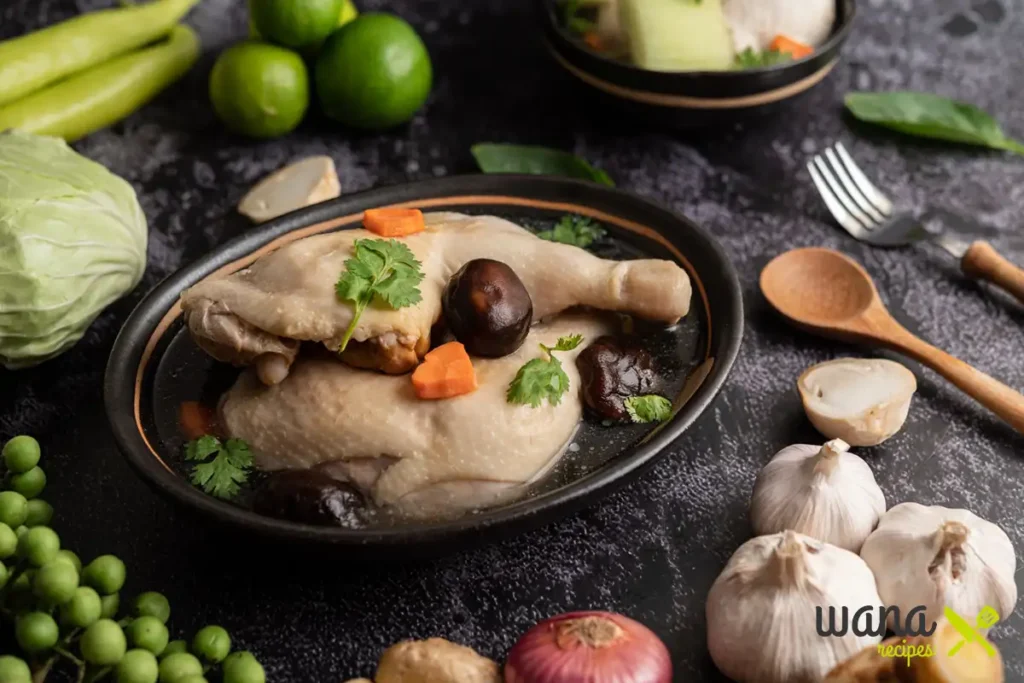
[{"x": 828, "y": 293}]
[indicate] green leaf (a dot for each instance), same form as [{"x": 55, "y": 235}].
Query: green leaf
[
  {"x": 930, "y": 116},
  {"x": 649, "y": 408},
  {"x": 499, "y": 158},
  {"x": 202, "y": 448},
  {"x": 567, "y": 343},
  {"x": 383, "y": 270},
  {"x": 752, "y": 59},
  {"x": 226, "y": 472},
  {"x": 579, "y": 231}
]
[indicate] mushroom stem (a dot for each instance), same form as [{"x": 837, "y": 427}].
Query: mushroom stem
[{"x": 828, "y": 456}]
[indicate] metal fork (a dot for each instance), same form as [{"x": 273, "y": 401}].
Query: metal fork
[{"x": 868, "y": 215}]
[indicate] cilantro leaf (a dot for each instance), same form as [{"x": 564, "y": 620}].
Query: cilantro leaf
[
  {"x": 579, "y": 231},
  {"x": 566, "y": 343},
  {"x": 226, "y": 472},
  {"x": 543, "y": 379},
  {"x": 382, "y": 271},
  {"x": 573, "y": 21},
  {"x": 752, "y": 59},
  {"x": 651, "y": 408}
]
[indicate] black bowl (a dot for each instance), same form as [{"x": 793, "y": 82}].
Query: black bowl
[
  {"x": 155, "y": 365},
  {"x": 693, "y": 98}
]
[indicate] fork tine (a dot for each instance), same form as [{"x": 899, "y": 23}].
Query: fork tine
[
  {"x": 835, "y": 207},
  {"x": 870, "y": 192},
  {"x": 837, "y": 190},
  {"x": 853, "y": 190}
]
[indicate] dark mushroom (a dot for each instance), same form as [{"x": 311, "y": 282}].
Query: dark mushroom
[
  {"x": 488, "y": 308},
  {"x": 611, "y": 370},
  {"x": 310, "y": 497}
]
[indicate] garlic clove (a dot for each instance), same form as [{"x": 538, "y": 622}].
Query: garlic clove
[
  {"x": 936, "y": 557},
  {"x": 863, "y": 401},
  {"x": 824, "y": 492},
  {"x": 762, "y": 609},
  {"x": 306, "y": 182}
]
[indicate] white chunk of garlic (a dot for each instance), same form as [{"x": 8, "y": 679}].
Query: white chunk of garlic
[
  {"x": 762, "y": 610},
  {"x": 862, "y": 401},
  {"x": 936, "y": 557},
  {"x": 824, "y": 492},
  {"x": 306, "y": 182}
]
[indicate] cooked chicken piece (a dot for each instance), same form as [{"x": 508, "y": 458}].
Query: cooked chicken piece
[
  {"x": 289, "y": 294},
  {"x": 417, "y": 457}
]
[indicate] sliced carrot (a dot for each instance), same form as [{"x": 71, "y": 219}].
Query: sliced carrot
[
  {"x": 593, "y": 41},
  {"x": 794, "y": 49},
  {"x": 196, "y": 420},
  {"x": 445, "y": 372},
  {"x": 394, "y": 222}
]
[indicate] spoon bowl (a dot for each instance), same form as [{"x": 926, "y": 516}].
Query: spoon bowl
[
  {"x": 818, "y": 288},
  {"x": 830, "y": 294}
]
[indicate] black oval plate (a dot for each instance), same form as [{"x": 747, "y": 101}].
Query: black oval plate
[
  {"x": 693, "y": 98},
  {"x": 154, "y": 365}
]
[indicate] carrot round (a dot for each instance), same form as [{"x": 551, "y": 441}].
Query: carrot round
[
  {"x": 393, "y": 222},
  {"x": 196, "y": 420},
  {"x": 445, "y": 372},
  {"x": 793, "y": 48}
]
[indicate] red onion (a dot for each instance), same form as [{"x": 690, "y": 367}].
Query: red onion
[{"x": 589, "y": 647}]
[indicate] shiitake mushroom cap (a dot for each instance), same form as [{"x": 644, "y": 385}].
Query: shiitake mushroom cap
[{"x": 488, "y": 308}]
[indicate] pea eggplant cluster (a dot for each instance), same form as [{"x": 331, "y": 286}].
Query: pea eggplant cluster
[{"x": 68, "y": 616}]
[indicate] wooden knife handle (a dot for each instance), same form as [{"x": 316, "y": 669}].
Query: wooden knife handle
[{"x": 983, "y": 262}]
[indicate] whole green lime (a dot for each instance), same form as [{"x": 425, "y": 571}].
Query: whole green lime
[
  {"x": 259, "y": 90},
  {"x": 348, "y": 13},
  {"x": 373, "y": 73},
  {"x": 297, "y": 24}
]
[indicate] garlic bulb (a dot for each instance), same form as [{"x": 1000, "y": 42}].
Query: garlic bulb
[
  {"x": 934, "y": 557},
  {"x": 862, "y": 401},
  {"x": 763, "y": 611},
  {"x": 823, "y": 492}
]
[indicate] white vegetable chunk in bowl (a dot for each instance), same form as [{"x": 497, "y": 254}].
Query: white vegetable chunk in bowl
[
  {"x": 861, "y": 401},
  {"x": 754, "y": 24},
  {"x": 306, "y": 182}
]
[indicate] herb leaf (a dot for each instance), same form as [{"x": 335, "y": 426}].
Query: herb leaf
[
  {"x": 226, "y": 472},
  {"x": 381, "y": 270},
  {"x": 579, "y": 231},
  {"x": 931, "y": 116},
  {"x": 752, "y": 59},
  {"x": 651, "y": 408},
  {"x": 543, "y": 378},
  {"x": 499, "y": 158}
]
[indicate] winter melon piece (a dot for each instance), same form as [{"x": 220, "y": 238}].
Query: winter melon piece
[{"x": 678, "y": 35}]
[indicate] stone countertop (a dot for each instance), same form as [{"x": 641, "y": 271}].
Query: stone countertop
[{"x": 652, "y": 550}]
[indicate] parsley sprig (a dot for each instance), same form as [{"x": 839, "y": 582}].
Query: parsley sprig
[
  {"x": 651, "y": 408},
  {"x": 385, "y": 271},
  {"x": 226, "y": 472},
  {"x": 579, "y": 231},
  {"x": 543, "y": 378}
]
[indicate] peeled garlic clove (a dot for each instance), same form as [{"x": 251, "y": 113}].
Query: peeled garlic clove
[
  {"x": 934, "y": 557},
  {"x": 824, "y": 492},
  {"x": 862, "y": 401},
  {"x": 762, "y": 609},
  {"x": 303, "y": 183}
]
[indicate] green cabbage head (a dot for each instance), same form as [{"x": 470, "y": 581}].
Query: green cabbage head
[{"x": 72, "y": 241}]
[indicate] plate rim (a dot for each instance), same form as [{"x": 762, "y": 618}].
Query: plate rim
[{"x": 127, "y": 354}]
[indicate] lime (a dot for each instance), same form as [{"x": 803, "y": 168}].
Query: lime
[
  {"x": 374, "y": 73},
  {"x": 259, "y": 90},
  {"x": 348, "y": 13},
  {"x": 297, "y": 24}
]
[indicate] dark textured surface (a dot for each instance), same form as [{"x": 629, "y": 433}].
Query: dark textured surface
[{"x": 653, "y": 550}]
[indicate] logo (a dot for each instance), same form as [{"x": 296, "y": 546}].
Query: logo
[{"x": 864, "y": 624}]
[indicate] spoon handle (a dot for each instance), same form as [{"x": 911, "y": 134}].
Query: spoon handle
[
  {"x": 983, "y": 262},
  {"x": 991, "y": 393}
]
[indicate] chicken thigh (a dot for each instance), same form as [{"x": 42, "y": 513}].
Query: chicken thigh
[
  {"x": 416, "y": 457},
  {"x": 260, "y": 314}
]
